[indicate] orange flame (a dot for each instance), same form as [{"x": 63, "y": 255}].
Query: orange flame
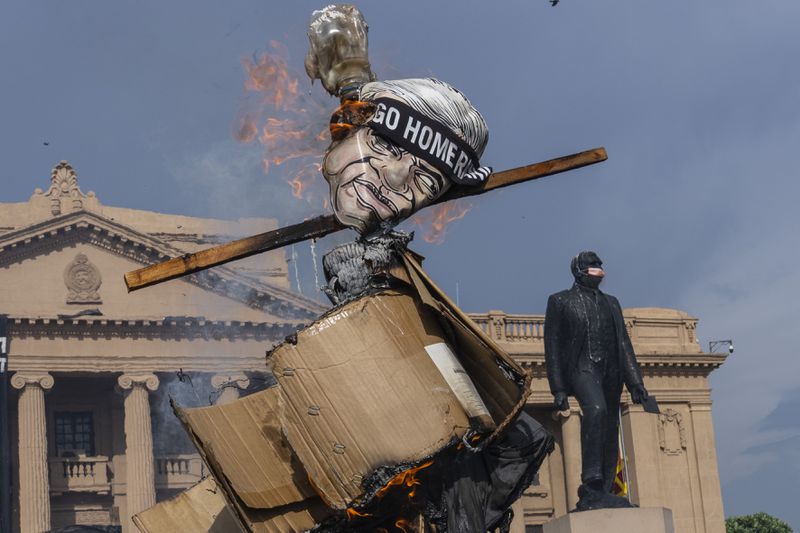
[
  {"x": 290, "y": 125},
  {"x": 269, "y": 75},
  {"x": 403, "y": 525},
  {"x": 436, "y": 219},
  {"x": 352, "y": 513},
  {"x": 407, "y": 478},
  {"x": 349, "y": 115}
]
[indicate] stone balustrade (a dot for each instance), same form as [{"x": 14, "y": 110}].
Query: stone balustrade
[
  {"x": 79, "y": 474},
  {"x": 652, "y": 330},
  {"x": 179, "y": 471}
]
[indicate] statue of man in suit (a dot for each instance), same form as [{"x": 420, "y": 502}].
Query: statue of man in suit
[{"x": 589, "y": 355}]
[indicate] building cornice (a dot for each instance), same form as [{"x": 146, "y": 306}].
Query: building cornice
[
  {"x": 651, "y": 364},
  {"x": 173, "y": 328},
  {"x": 134, "y": 364}
]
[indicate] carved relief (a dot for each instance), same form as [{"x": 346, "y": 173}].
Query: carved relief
[
  {"x": 690, "y": 330},
  {"x": 671, "y": 432},
  {"x": 22, "y": 379},
  {"x": 82, "y": 279},
  {"x": 497, "y": 325},
  {"x": 148, "y": 381},
  {"x": 64, "y": 185}
]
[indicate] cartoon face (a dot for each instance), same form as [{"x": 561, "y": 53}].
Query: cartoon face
[{"x": 373, "y": 180}]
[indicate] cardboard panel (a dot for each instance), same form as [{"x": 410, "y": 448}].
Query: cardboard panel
[
  {"x": 200, "y": 508},
  {"x": 203, "y": 508},
  {"x": 292, "y": 518},
  {"x": 362, "y": 392},
  {"x": 243, "y": 446}
]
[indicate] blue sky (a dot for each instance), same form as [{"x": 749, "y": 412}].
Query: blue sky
[{"x": 697, "y": 103}]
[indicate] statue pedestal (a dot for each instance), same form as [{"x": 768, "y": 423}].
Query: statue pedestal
[{"x": 638, "y": 520}]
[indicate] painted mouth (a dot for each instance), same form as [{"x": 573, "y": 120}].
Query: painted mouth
[{"x": 370, "y": 197}]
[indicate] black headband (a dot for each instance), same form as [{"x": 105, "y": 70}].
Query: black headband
[{"x": 428, "y": 139}]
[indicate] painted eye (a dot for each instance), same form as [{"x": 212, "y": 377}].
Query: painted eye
[
  {"x": 427, "y": 183},
  {"x": 386, "y": 147}
]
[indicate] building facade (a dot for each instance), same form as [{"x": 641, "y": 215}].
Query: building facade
[{"x": 93, "y": 368}]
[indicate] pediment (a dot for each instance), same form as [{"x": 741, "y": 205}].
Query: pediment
[{"x": 62, "y": 258}]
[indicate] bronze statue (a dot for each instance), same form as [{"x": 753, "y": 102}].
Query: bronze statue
[{"x": 589, "y": 355}]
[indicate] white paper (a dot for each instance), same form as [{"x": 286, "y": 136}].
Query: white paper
[{"x": 458, "y": 380}]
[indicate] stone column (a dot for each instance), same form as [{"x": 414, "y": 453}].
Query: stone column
[
  {"x": 571, "y": 442},
  {"x": 229, "y": 386},
  {"x": 34, "y": 482},
  {"x": 140, "y": 483}
]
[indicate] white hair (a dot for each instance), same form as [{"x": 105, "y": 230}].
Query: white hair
[{"x": 437, "y": 100}]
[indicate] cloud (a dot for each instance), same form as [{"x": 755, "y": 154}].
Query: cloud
[{"x": 786, "y": 415}]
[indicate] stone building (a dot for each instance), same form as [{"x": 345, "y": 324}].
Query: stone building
[{"x": 92, "y": 368}]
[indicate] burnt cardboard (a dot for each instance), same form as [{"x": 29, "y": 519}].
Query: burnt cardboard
[
  {"x": 361, "y": 392},
  {"x": 366, "y": 390},
  {"x": 243, "y": 446}
]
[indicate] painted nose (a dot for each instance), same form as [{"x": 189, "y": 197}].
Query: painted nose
[{"x": 395, "y": 174}]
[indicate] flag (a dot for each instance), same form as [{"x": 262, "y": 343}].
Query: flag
[{"x": 620, "y": 487}]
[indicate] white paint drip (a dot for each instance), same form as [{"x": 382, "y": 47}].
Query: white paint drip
[
  {"x": 314, "y": 260},
  {"x": 296, "y": 271}
]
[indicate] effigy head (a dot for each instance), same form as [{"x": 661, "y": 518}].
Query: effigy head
[{"x": 400, "y": 146}]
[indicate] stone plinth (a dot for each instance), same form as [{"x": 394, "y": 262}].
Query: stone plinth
[{"x": 639, "y": 520}]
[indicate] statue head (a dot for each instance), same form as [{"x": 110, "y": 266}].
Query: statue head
[
  {"x": 418, "y": 138},
  {"x": 587, "y": 268}
]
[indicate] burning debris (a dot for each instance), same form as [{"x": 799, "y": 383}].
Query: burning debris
[{"x": 393, "y": 409}]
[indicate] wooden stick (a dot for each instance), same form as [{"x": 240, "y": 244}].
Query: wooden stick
[{"x": 326, "y": 224}]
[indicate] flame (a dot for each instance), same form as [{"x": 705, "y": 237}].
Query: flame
[
  {"x": 269, "y": 75},
  {"x": 352, "y": 513},
  {"x": 435, "y": 219},
  {"x": 290, "y": 125},
  {"x": 403, "y": 525},
  {"x": 348, "y": 116},
  {"x": 407, "y": 478}
]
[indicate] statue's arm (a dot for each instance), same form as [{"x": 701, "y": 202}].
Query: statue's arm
[{"x": 553, "y": 341}]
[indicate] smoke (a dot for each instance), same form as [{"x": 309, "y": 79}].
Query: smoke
[{"x": 189, "y": 389}]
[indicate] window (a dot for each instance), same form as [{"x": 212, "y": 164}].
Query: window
[{"x": 74, "y": 434}]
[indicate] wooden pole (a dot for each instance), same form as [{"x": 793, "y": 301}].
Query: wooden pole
[{"x": 326, "y": 224}]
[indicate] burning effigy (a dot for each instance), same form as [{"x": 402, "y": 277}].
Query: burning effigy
[{"x": 393, "y": 411}]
